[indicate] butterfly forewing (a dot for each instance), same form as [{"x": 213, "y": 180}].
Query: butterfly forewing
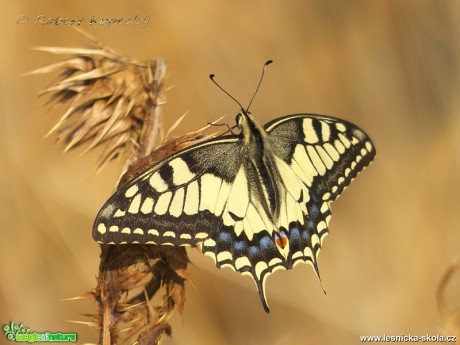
[
  {"x": 325, "y": 153},
  {"x": 174, "y": 201}
]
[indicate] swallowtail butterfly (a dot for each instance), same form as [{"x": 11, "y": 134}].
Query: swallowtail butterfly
[{"x": 255, "y": 201}]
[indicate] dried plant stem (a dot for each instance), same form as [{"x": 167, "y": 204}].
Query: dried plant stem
[
  {"x": 122, "y": 267},
  {"x": 156, "y": 71},
  {"x": 114, "y": 101},
  {"x": 115, "y": 258}
]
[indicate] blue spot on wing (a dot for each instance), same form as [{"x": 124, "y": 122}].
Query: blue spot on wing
[
  {"x": 313, "y": 211},
  {"x": 240, "y": 246},
  {"x": 266, "y": 243},
  {"x": 225, "y": 237},
  {"x": 295, "y": 234},
  {"x": 253, "y": 251}
]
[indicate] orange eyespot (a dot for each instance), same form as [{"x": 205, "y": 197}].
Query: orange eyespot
[{"x": 282, "y": 241}]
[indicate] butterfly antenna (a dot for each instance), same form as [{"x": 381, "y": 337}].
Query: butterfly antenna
[
  {"x": 260, "y": 82},
  {"x": 220, "y": 87}
]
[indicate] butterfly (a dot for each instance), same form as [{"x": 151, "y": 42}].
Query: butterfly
[{"x": 255, "y": 201}]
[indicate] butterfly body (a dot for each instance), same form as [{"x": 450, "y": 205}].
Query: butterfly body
[{"x": 255, "y": 201}]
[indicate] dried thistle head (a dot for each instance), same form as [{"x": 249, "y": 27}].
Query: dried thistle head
[{"x": 107, "y": 98}]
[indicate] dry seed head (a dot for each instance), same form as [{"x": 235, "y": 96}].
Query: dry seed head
[{"x": 107, "y": 97}]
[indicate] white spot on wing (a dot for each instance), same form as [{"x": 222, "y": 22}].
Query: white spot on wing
[
  {"x": 131, "y": 191},
  {"x": 238, "y": 199},
  {"x": 192, "y": 199},
  {"x": 101, "y": 228},
  {"x": 210, "y": 186},
  {"x": 147, "y": 206},
  {"x": 260, "y": 267},
  {"x": 304, "y": 162},
  {"x": 238, "y": 229},
  {"x": 339, "y": 146},
  {"x": 314, "y": 240},
  {"x": 138, "y": 231},
  {"x": 119, "y": 213},
  {"x": 297, "y": 254},
  {"x": 290, "y": 180},
  {"x": 309, "y": 132},
  {"x": 368, "y": 146},
  {"x": 153, "y": 232},
  {"x": 223, "y": 256},
  {"x": 201, "y": 235},
  {"x": 325, "y": 157},
  {"x": 209, "y": 242},
  {"x": 157, "y": 183},
  {"x": 247, "y": 227},
  {"x": 325, "y": 131},
  {"x": 163, "y": 203},
  {"x": 291, "y": 209},
  {"x": 340, "y": 126},
  {"x": 177, "y": 203},
  {"x": 331, "y": 151},
  {"x": 300, "y": 173},
  {"x": 257, "y": 224},
  {"x": 222, "y": 198},
  {"x": 308, "y": 253},
  {"x": 321, "y": 226},
  {"x": 344, "y": 140},
  {"x": 274, "y": 262},
  {"x": 211, "y": 254},
  {"x": 242, "y": 262},
  {"x": 320, "y": 167},
  {"x": 181, "y": 172},
  {"x": 135, "y": 204}
]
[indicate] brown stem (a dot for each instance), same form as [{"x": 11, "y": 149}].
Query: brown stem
[{"x": 118, "y": 273}]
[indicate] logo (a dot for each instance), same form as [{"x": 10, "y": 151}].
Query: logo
[{"x": 20, "y": 333}]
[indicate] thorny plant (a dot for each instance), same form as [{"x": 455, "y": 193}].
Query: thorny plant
[{"x": 114, "y": 101}]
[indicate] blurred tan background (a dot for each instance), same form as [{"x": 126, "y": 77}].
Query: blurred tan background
[{"x": 392, "y": 67}]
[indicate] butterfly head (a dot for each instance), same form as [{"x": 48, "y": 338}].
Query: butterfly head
[
  {"x": 242, "y": 118},
  {"x": 246, "y": 124}
]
